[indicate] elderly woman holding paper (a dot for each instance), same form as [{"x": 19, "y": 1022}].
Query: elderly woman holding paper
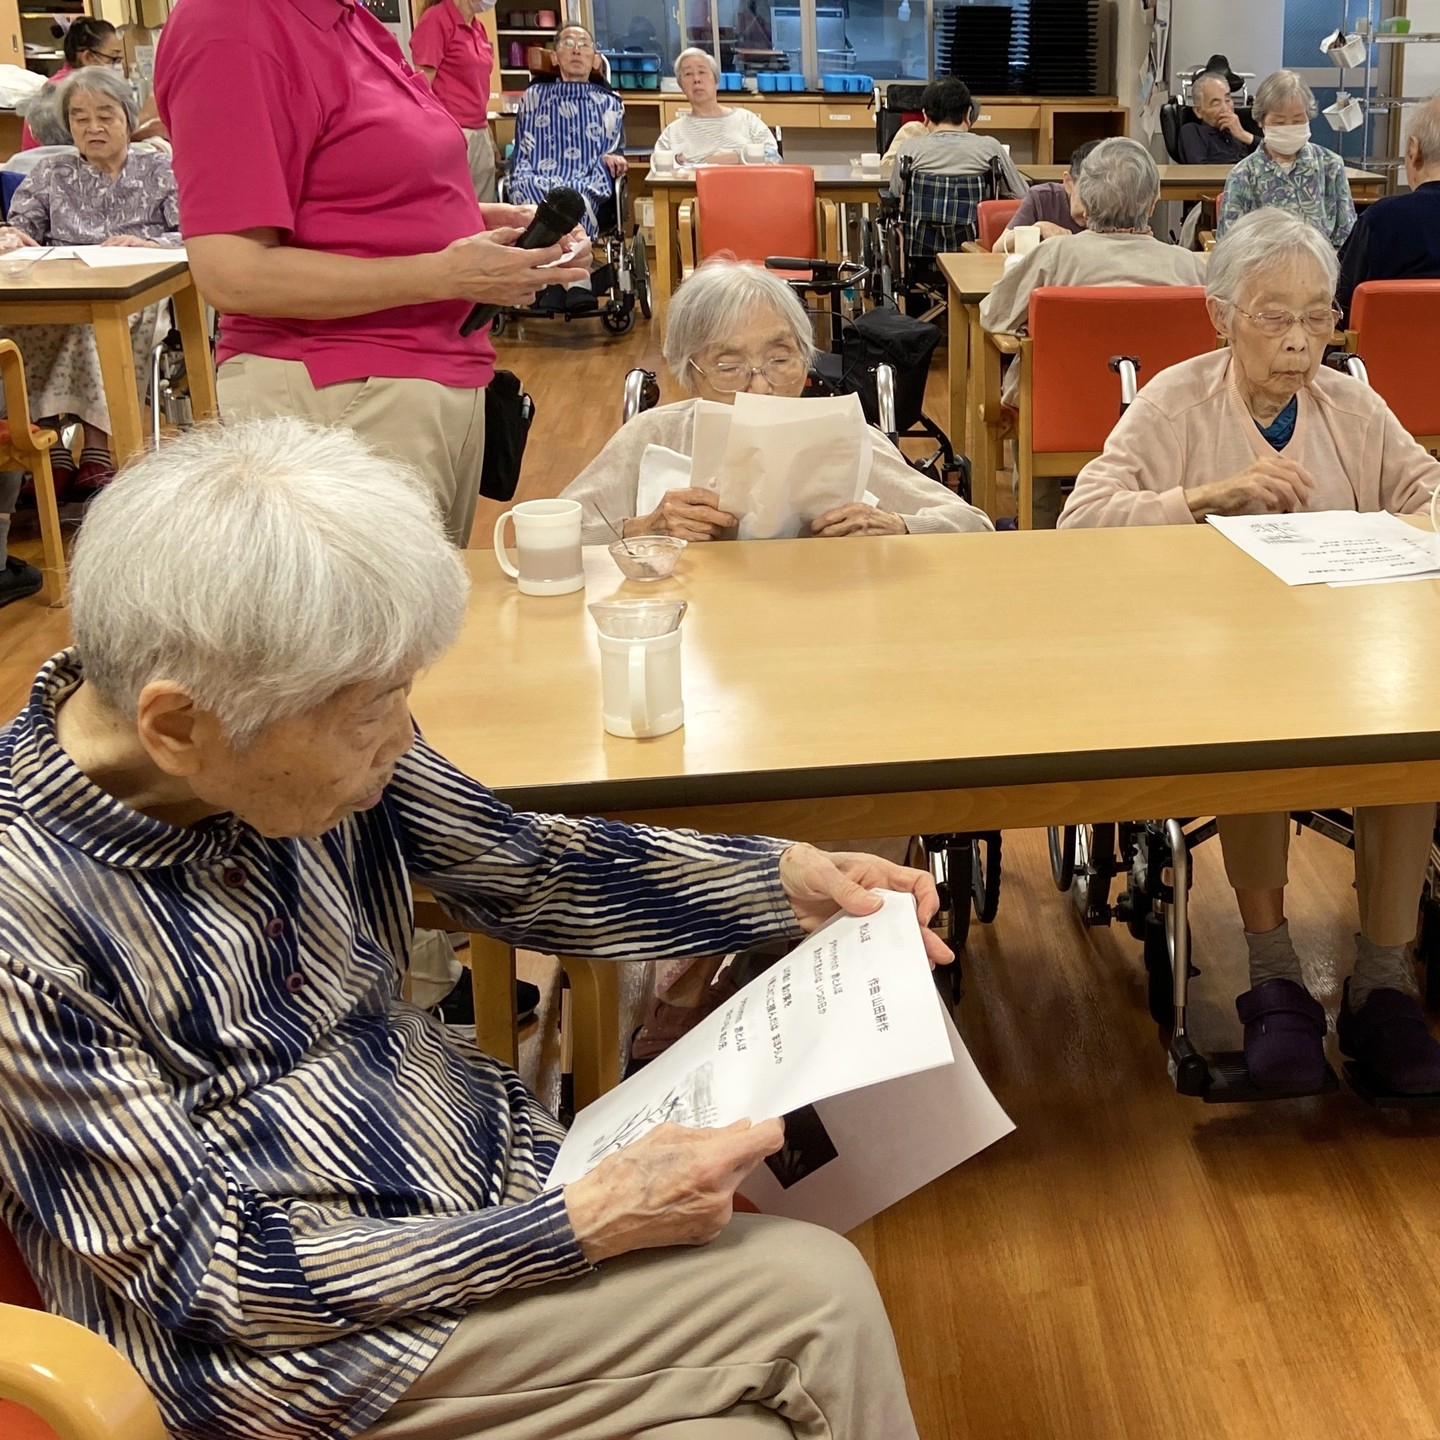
[
  {"x": 738, "y": 329},
  {"x": 1261, "y": 428},
  {"x": 102, "y": 193}
]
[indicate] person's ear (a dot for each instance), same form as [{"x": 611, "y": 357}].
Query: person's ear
[
  {"x": 176, "y": 733},
  {"x": 1216, "y": 312}
]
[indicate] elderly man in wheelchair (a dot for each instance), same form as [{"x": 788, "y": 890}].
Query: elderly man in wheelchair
[
  {"x": 1260, "y": 427},
  {"x": 570, "y": 131}
]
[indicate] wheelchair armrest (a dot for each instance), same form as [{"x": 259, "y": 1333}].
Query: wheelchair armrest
[
  {"x": 885, "y": 399},
  {"x": 1005, "y": 344},
  {"x": 642, "y": 392},
  {"x": 73, "y": 1379},
  {"x": 822, "y": 272}
]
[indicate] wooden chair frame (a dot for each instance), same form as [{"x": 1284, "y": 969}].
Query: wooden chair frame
[{"x": 29, "y": 449}]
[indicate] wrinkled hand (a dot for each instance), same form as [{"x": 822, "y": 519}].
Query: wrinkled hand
[
  {"x": 674, "y": 1186},
  {"x": 489, "y": 268},
  {"x": 616, "y": 164},
  {"x": 134, "y": 242},
  {"x": 507, "y": 217},
  {"x": 687, "y": 514},
  {"x": 819, "y": 884},
  {"x": 1271, "y": 486},
  {"x": 18, "y": 238},
  {"x": 857, "y": 518},
  {"x": 1230, "y": 124},
  {"x": 1049, "y": 230},
  {"x": 723, "y": 157}
]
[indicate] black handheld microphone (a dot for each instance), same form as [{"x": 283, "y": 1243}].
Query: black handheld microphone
[{"x": 555, "y": 217}]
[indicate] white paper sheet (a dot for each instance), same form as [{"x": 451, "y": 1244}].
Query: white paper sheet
[
  {"x": 104, "y": 256},
  {"x": 851, "y": 1013},
  {"x": 1332, "y": 545}
]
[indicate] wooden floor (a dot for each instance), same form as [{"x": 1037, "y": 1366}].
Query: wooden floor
[{"x": 1128, "y": 1263}]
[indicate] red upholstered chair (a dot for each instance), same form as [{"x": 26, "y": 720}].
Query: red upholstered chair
[
  {"x": 1393, "y": 328},
  {"x": 753, "y": 212},
  {"x": 58, "y": 1380},
  {"x": 1069, "y": 397},
  {"x": 991, "y": 218}
]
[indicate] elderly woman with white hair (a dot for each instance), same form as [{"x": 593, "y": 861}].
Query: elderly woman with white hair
[
  {"x": 1288, "y": 171},
  {"x": 300, "y": 1205},
  {"x": 1261, "y": 428},
  {"x": 712, "y": 133},
  {"x": 735, "y": 326},
  {"x": 102, "y": 193}
]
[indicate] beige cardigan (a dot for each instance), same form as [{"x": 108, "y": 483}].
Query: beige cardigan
[
  {"x": 1089, "y": 258},
  {"x": 1189, "y": 426},
  {"x": 611, "y": 479}
]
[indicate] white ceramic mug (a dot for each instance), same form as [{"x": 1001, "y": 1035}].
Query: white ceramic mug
[
  {"x": 640, "y": 684},
  {"x": 1027, "y": 238},
  {"x": 547, "y": 545},
  {"x": 753, "y": 154},
  {"x": 662, "y": 162}
]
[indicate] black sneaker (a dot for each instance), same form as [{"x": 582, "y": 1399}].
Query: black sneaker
[
  {"x": 551, "y": 300},
  {"x": 17, "y": 580},
  {"x": 580, "y": 300}
]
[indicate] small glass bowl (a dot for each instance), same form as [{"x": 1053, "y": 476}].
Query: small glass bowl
[
  {"x": 647, "y": 557},
  {"x": 14, "y": 264}
]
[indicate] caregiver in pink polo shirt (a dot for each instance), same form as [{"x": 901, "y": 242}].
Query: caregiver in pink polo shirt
[
  {"x": 451, "y": 49},
  {"x": 326, "y": 204}
]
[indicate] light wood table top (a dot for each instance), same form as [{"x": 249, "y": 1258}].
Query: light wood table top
[
  {"x": 1194, "y": 182},
  {"x": 957, "y": 682},
  {"x": 71, "y": 279},
  {"x": 972, "y": 274}
]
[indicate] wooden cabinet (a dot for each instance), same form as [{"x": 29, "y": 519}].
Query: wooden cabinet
[{"x": 12, "y": 46}]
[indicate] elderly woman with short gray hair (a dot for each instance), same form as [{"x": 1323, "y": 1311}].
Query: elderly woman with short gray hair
[
  {"x": 1288, "y": 171},
  {"x": 735, "y": 326},
  {"x": 712, "y": 133},
  {"x": 1260, "y": 427},
  {"x": 102, "y": 194}
]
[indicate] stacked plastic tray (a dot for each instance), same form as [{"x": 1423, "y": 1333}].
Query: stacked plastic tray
[
  {"x": 1061, "y": 58},
  {"x": 973, "y": 42}
]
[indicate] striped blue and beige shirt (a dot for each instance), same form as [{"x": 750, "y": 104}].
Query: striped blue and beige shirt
[{"x": 226, "y": 1144}]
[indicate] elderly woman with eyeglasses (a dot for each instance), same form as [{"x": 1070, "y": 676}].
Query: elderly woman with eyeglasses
[
  {"x": 734, "y": 326},
  {"x": 1260, "y": 428}
]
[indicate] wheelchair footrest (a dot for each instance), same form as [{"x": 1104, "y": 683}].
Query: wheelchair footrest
[
  {"x": 1372, "y": 1092},
  {"x": 1222, "y": 1079}
]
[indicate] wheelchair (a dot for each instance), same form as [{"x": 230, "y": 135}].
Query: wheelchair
[
  {"x": 966, "y": 866},
  {"x": 621, "y": 282},
  {"x": 931, "y": 214}
]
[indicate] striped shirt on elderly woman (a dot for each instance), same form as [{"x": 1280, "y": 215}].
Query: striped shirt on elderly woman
[{"x": 226, "y": 1143}]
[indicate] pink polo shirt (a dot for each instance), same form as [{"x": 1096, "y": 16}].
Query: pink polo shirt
[
  {"x": 460, "y": 56},
  {"x": 302, "y": 116}
]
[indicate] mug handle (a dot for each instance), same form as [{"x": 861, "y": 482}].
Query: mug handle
[
  {"x": 639, "y": 706},
  {"x": 501, "y": 558}
]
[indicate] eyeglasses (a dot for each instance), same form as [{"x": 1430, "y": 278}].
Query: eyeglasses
[
  {"x": 571, "y": 43},
  {"x": 1280, "y": 322},
  {"x": 729, "y": 378},
  {"x": 114, "y": 61}
]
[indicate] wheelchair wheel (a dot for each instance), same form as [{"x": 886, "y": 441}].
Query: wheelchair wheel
[
  {"x": 642, "y": 277},
  {"x": 985, "y": 875},
  {"x": 1095, "y": 865},
  {"x": 498, "y": 324},
  {"x": 1062, "y": 855},
  {"x": 618, "y": 322}
]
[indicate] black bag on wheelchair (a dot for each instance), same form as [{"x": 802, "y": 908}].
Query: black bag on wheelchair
[
  {"x": 508, "y": 413},
  {"x": 906, "y": 345}
]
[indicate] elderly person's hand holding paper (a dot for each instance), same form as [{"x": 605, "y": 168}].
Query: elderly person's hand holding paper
[{"x": 739, "y": 340}]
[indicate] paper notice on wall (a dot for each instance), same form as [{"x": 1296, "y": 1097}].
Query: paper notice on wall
[{"x": 847, "y": 1039}]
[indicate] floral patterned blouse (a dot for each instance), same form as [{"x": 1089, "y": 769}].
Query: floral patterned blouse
[
  {"x": 1314, "y": 187},
  {"x": 66, "y": 201}
]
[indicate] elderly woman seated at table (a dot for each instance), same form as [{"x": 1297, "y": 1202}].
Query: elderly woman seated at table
[
  {"x": 1288, "y": 170},
  {"x": 1261, "y": 428},
  {"x": 735, "y": 326},
  {"x": 102, "y": 194},
  {"x": 712, "y": 133}
]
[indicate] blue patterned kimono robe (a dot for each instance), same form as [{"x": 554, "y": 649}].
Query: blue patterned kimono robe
[{"x": 562, "y": 131}]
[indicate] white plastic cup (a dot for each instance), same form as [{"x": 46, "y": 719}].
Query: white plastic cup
[
  {"x": 754, "y": 154},
  {"x": 662, "y": 162},
  {"x": 640, "y": 685},
  {"x": 1027, "y": 238},
  {"x": 547, "y": 547},
  {"x": 870, "y": 160}
]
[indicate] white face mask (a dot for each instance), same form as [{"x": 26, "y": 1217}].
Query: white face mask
[{"x": 1287, "y": 139}]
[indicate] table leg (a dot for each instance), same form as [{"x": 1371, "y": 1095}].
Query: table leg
[
  {"x": 595, "y": 1026},
  {"x": 117, "y": 375},
  {"x": 492, "y": 981},
  {"x": 666, "y": 225},
  {"x": 195, "y": 343},
  {"x": 983, "y": 413},
  {"x": 958, "y": 359}
]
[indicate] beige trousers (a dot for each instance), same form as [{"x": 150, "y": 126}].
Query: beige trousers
[
  {"x": 438, "y": 429},
  {"x": 480, "y": 151},
  {"x": 1392, "y": 849},
  {"x": 774, "y": 1330}
]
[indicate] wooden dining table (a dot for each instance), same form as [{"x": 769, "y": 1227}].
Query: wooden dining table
[
  {"x": 70, "y": 292},
  {"x": 1200, "y": 182},
  {"x": 969, "y": 278},
  {"x": 842, "y": 184},
  {"x": 921, "y": 684}
]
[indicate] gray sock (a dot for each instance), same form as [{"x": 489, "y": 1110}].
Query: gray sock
[
  {"x": 1273, "y": 957},
  {"x": 1380, "y": 967}
]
